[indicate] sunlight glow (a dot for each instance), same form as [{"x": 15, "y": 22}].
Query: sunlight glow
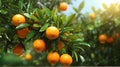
[{"x": 108, "y": 2}]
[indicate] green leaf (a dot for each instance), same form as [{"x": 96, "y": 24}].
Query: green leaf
[
  {"x": 75, "y": 9},
  {"x": 82, "y": 58},
  {"x": 80, "y": 48},
  {"x": 81, "y": 6},
  {"x": 20, "y": 3},
  {"x": 44, "y": 27},
  {"x": 78, "y": 40},
  {"x": 66, "y": 29},
  {"x": 34, "y": 18},
  {"x": 48, "y": 12},
  {"x": 3, "y": 12},
  {"x": 22, "y": 25},
  {"x": 63, "y": 17},
  {"x": 54, "y": 18},
  {"x": 70, "y": 19},
  {"x": 0, "y": 36},
  {"x": 93, "y": 9},
  {"x": 104, "y": 6},
  {"x": 36, "y": 25},
  {"x": 27, "y": 15},
  {"x": 76, "y": 56},
  {"x": 30, "y": 35},
  {"x": 6, "y": 36},
  {"x": 0, "y": 3},
  {"x": 73, "y": 37},
  {"x": 54, "y": 11},
  {"x": 84, "y": 44},
  {"x": 38, "y": 12}
]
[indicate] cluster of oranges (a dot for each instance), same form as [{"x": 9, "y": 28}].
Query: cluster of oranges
[
  {"x": 22, "y": 33},
  {"x": 17, "y": 20},
  {"x": 39, "y": 45},
  {"x": 54, "y": 57},
  {"x": 103, "y": 38}
]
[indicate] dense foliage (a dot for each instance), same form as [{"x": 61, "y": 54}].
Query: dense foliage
[{"x": 78, "y": 33}]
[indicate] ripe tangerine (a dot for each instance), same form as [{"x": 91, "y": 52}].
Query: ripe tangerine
[
  {"x": 18, "y": 19},
  {"x": 52, "y": 33},
  {"x": 53, "y": 58},
  {"x": 39, "y": 45}
]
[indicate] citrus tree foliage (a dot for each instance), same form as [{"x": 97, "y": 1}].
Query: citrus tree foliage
[
  {"x": 79, "y": 33},
  {"x": 105, "y": 22},
  {"x": 50, "y": 3},
  {"x": 39, "y": 16}
]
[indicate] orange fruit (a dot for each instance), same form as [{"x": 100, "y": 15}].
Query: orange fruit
[
  {"x": 18, "y": 50},
  {"x": 18, "y": 19},
  {"x": 117, "y": 35},
  {"x": 53, "y": 58},
  {"x": 92, "y": 16},
  {"x": 52, "y": 33},
  {"x": 28, "y": 57},
  {"x": 60, "y": 45},
  {"x": 63, "y": 6},
  {"x": 110, "y": 39},
  {"x": 39, "y": 45},
  {"x": 66, "y": 60},
  {"x": 102, "y": 38},
  {"x": 22, "y": 33}
]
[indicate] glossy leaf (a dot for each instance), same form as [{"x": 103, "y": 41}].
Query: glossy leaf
[
  {"x": 82, "y": 58},
  {"x": 75, "y": 9},
  {"x": 76, "y": 56},
  {"x": 66, "y": 29},
  {"x": 84, "y": 44},
  {"x": 34, "y": 18},
  {"x": 27, "y": 15},
  {"x": 21, "y": 4},
  {"x": 44, "y": 27},
  {"x": 81, "y": 6},
  {"x": 70, "y": 19},
  {"x": 23, "y": 25},
  {"x": 30, "y": 35}
]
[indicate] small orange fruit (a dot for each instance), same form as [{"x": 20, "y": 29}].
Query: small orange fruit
[
  {"x": 39, "y": 45},
  {"x": 60, "y": 45},
  {"x": 92, "y": 16},
  {"x": 117, "y": 35},
  {"x": 66, "y": 60},
  {"x": 18, "y": 19},
  {"x": 28, "y": 57},
  {"x": 53, "y": 58},
  {"x": 102, "y": 38},
  {"x": 18, "y": 50},
  {"x": 63, "y": 6},
  {"x": 22, "y": 33},
  {"x": 110, "y": 39},
  {"x": 52, "y": 33}
]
